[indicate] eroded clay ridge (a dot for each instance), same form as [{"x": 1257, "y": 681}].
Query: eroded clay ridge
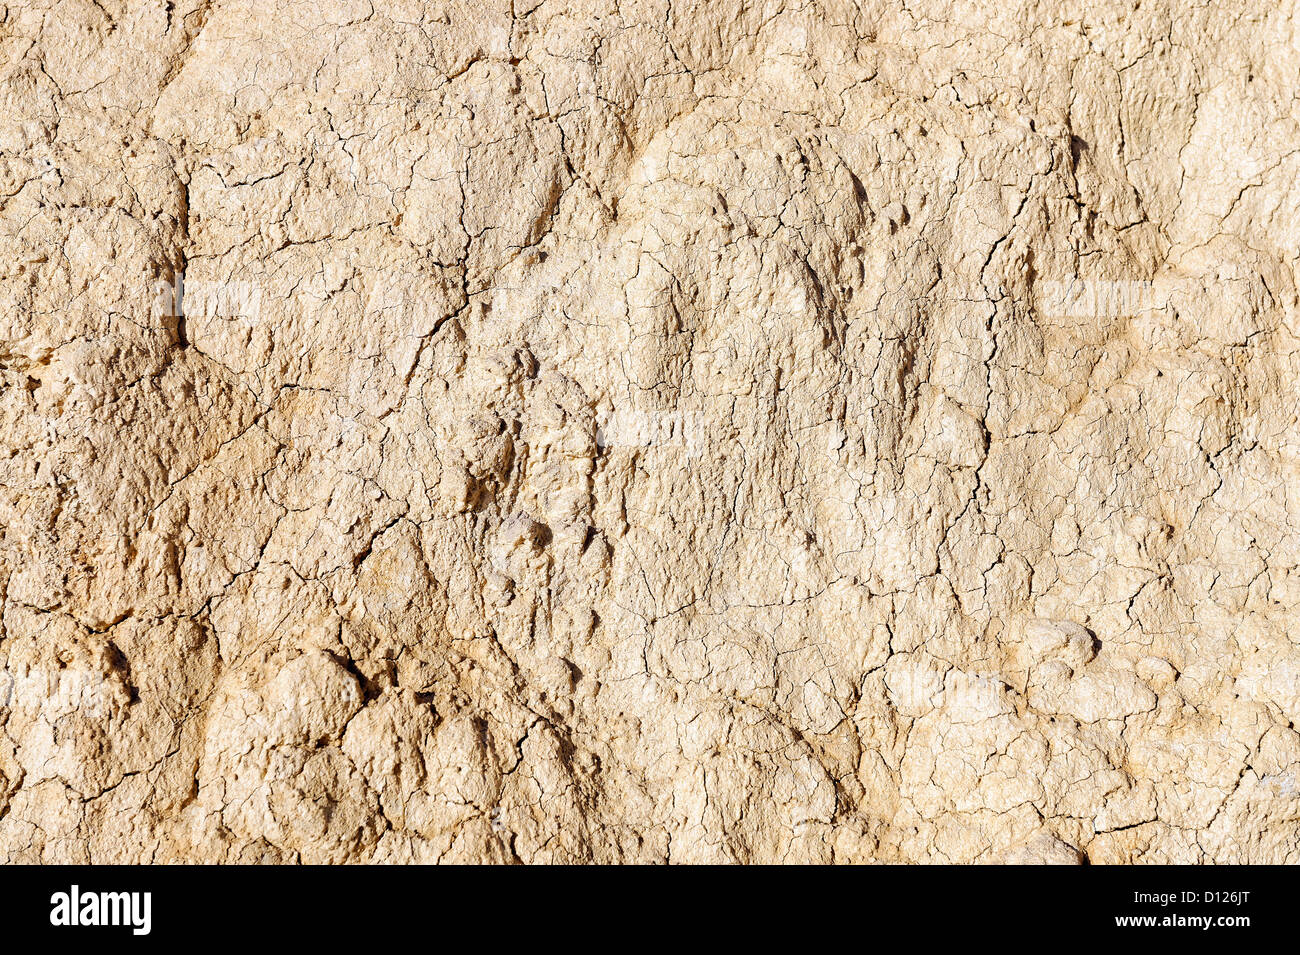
[{"x": 649, "y": 430}]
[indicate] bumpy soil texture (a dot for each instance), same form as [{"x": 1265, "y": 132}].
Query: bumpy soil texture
[{"x": 655, "y": 430}]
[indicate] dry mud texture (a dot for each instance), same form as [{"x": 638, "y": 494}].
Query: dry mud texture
[{"x": 649, "y": 431}]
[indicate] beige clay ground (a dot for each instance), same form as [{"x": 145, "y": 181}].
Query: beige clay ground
[{"x": 649, "y": 431}]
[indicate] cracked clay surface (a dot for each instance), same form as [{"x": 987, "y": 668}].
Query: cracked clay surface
[{"x": 663, "y": 430}]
